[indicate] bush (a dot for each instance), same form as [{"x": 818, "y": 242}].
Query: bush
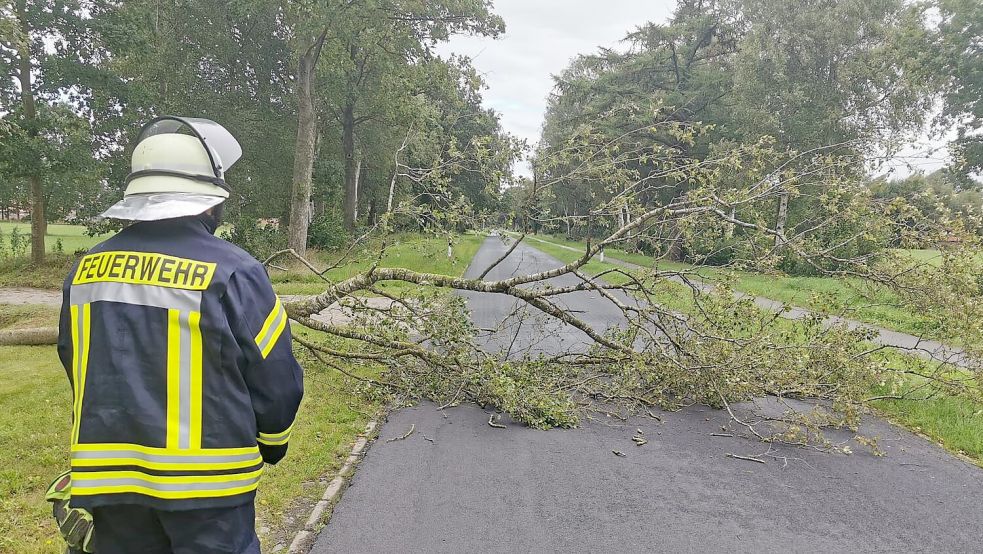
[
  {"x": 259, "y": 240},
  {"x": 18, "y": 243},
  {"x": 328, "y": 232}
]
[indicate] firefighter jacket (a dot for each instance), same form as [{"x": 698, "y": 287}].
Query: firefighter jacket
[{"x": 179, "y": 356}]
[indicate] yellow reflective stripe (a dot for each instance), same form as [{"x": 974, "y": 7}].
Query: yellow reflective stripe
[
  {"x": 173, "y": 377},
  {"x": 153, "y": 450},
  {"x": 81, "y": 476},
  {"x": 76, "y": 401},
  {"x": 275, "y": 336},
  {"x": 275, "y": 439},
  {"x": 194, "y": 321},
  {"x": 164, "y": 495},
  {"x": 166, "y": 466},
  {"x": 170, "y": 486},
  {"x": 80, "y": 361},
  {"x": 277, "y": 306}
]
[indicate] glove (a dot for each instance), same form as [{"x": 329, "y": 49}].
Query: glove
[{"x": 75, "y": 524}]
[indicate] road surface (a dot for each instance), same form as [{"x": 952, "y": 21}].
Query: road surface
[{"x": 458, "y": 485}]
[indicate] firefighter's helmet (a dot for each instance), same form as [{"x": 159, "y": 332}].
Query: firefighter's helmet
[{"x": 177, "y": 169}]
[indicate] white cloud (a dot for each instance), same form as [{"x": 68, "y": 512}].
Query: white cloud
[{"x": 543, "y": 36}]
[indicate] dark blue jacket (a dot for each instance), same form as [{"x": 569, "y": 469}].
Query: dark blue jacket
[{"x": 180, "y": 360}]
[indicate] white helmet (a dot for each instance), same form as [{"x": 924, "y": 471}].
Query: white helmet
[{"x": 175, "y": 174}]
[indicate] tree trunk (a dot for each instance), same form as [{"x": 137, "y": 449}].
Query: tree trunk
[
  {"x": 38, "y": 227},
  {"x": 351, "y": 166},
  {"x": 300, "y": 196},
  {"x": 358, "y": 186},
  {"x": 782, "y": 218}
]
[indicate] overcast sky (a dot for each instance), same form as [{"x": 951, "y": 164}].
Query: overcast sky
[{"x": 541, "y": 38}]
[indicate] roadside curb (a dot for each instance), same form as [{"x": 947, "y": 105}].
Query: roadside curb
[{"x": 304, "y": 540}]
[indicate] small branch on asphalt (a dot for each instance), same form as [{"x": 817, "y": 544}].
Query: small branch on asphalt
[
  {"x": 404, "y": 436},
  {"x": 748, "y": 458},
  {"x": 493, "y": 422}
]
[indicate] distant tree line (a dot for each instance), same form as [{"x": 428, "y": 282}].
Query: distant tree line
[
  {"x": 334, "y": 103},
  {"x": 810, "y": 79}
]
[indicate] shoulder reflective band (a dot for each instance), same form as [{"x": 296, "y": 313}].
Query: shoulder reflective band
[
  {"x": 138, "y": 295},
  {"x": 144, "y": 268},
  {"x": 272, "y": 328},
  {"x": 275, "y": 439}
]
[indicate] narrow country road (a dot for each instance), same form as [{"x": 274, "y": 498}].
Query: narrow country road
[{"x": 458, "y": 485}]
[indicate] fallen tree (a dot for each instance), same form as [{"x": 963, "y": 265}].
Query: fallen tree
[
  {"x": 678, "y": 343},
  {"x": 29, "y": 337}
]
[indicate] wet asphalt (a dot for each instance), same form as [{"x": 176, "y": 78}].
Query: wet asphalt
[{"x": 458, "y": 485}]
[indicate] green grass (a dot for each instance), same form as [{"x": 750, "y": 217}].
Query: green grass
[
  {"x": 955, "y": 423},
  {"x": 27, "y": 316},
  {"x": 22, "y": 272},
  {"x": 35, "y": 403},
  {"x": 930, "y": 256},
  {"x": 862, "y": 301},
  {"x": 72, "y": 237},
  {"x": 419, "y": 252}
]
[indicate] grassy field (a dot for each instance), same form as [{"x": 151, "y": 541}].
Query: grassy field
[
  {"x": 425, "y": 253},
  {"x": 420, "y": 252},
  {"x": 330, "y": 419},
  {"x": 874, "y": 306},
  {"x": 72, "y": 237}
]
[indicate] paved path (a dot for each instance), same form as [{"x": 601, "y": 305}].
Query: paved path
[
  {"x": 22, "y": 296},
  {"x": 928, "y": 349},
  {"x": 479, "y": 489}
]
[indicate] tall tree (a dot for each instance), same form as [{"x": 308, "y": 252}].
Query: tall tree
[
  {"x": 373, "y": 48},
  {"x": 961, "y": 62},
  {"x": 40, "y": 42}
]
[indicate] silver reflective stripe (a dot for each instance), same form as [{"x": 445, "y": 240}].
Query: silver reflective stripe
[
  {"x": 79, "y": 480},
  {"x": 271, "y": 334},
  {"x": 167, "y": 459},
  {"x": 184, "y": 411},
  {"x": 141, "y": 295}
]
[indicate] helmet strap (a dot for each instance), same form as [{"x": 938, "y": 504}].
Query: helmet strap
[{"x": 218, "y": 182}]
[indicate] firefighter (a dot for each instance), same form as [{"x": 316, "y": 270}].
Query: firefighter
[{"x": 179, "y": 356}]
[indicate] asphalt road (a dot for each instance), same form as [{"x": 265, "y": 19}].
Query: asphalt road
[{"x": 459, "y": 485}]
